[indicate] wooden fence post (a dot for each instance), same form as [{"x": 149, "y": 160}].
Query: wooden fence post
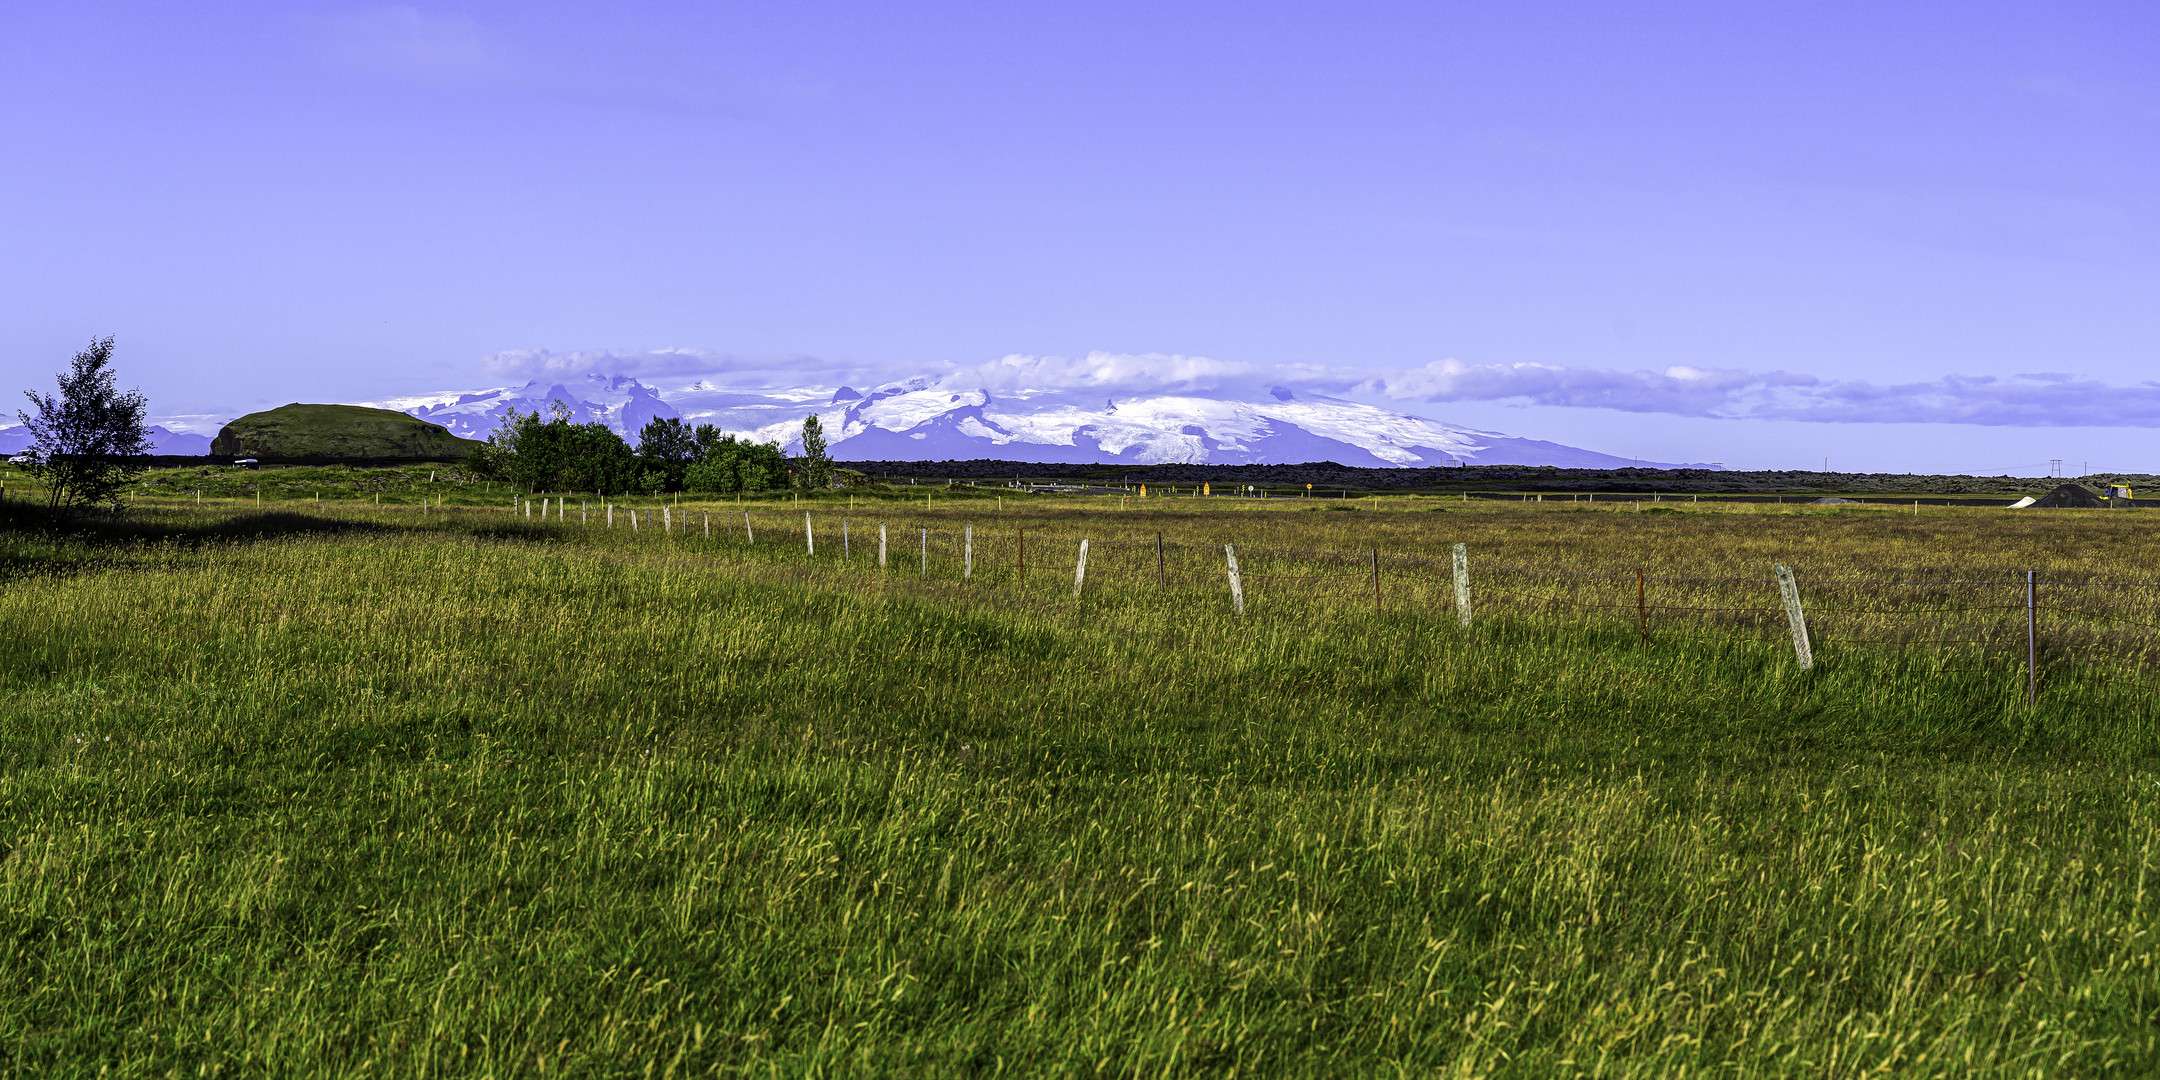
[
  {"x": 610, "y": 515},
  {"x": 881, "y": 545},
  {"x": 1080, "y": 570},
  {"x": 1237, "y": 588},
  {"x": 1462, "y": 584},
  {"x": 845, "y": 554},
  {"x": 1789, "y": 591},
  {"x": 1642, "y": 607},
  {"x": 749, "y": 536},
  {"x": 1161, "y": 582},
  {"x": 967, "y": 552},
  {"x": 926, "y": 548},
  {"x": 667, "y": 518},
  {"x": 808, "y": 538},
  {"x": 633, "y": 519}
]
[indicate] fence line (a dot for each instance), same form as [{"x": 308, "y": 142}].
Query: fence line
[{"x": 2028, "y": 611}]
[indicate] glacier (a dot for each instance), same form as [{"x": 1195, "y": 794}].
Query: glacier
[{"x": 925, "y": 419}]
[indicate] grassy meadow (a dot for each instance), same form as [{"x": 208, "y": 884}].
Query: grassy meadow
[{"x": 357, "y": 790}]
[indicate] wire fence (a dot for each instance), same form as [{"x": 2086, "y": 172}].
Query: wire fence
[{"x": 2026, "y": 616}]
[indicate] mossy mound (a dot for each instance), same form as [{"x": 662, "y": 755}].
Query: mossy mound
[{"x": 310, "y": 432}]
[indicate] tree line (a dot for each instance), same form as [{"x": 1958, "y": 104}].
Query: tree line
[
  {"x": 558, "y": 454},
  {"x": 88, "y": 442}
]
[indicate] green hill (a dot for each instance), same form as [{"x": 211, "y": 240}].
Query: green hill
[{"x": 337, "y": 431}]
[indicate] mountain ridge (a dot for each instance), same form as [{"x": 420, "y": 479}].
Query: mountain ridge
[{"x": 919, "y": 419}]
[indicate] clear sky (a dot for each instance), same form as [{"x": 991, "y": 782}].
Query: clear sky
[{"x": 1755, "y": 233}]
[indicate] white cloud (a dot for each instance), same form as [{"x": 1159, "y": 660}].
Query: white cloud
[
  {"x": 725, "y": 369},
  {"x": 1111, "y": 372},
  {"x": 2039, "y": 399},
  {"x": 406, "y": 43}
]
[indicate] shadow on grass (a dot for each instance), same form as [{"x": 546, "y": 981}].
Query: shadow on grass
[{"x": 36, "y": 540}]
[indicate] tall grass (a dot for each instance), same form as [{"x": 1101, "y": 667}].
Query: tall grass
[{"x": 371, "y": 793}]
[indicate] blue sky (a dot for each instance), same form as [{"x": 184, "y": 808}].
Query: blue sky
[{"x": 1905, "y": 237}]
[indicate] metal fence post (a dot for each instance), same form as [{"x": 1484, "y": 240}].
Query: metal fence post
[{"x": 2032, "y": 642}]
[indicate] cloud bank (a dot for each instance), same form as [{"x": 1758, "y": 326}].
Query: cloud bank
[{"x": 2044, "y": 399}]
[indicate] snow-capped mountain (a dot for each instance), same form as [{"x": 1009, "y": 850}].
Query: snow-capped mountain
[
  {"x": 163, "y": 440},
  {"x": 922, "y": 420}
]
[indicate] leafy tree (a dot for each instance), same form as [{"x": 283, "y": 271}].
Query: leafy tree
[
  {"x": 557, "y": 455},
  {"x": 817, "y": 468},
  {"x": 730, "y": 464},
  {"x": 82, "y": 442},
  {"x": 667, "y": 448}
]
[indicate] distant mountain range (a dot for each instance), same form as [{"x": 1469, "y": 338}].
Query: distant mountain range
[
  {"x": 164, "y": 440},
  {"x": 921, "y": 420}
]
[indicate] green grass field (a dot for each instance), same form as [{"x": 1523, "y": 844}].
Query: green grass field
[{"x": 362, "y": 791}]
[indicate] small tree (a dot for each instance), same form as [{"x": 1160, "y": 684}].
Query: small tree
[
  {"x": 81, "y": 442},
  {"x": 817, "y": 468},
  {"x": 729, "y": 464},
  {"x": 667, "y": 447},
  {"x": 556, "y": 454}
]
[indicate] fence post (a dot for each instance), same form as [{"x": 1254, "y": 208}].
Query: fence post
[
  {"x": 1023, "y": 556},
  {"x": 967, "y": 552},
  {"x": 1789, "y": 591},
  {"x": 708, "y": 524},
  {"x": 1462, "y": 584},
  {"x": 1080, "y": 570},
  {"x": 1237, "y": 588},
  {"x": 1375, "y": 580},
  {"x": 633, "y": 520},
  {"x": 611, "y": 515},
  {"x": 809, "y": 540},
  {"x": 845, "y": 554},
  {"x": 881, "y": 545},
  {"x": 1160, "y": 582},
  {"x": 926, "y": 548},
  {"x": 2032, "y": 643},
  {"x": 750, "y": 536},
  {"x": 1642, "y": 608},
  {"x": 667, "y": 518}
]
